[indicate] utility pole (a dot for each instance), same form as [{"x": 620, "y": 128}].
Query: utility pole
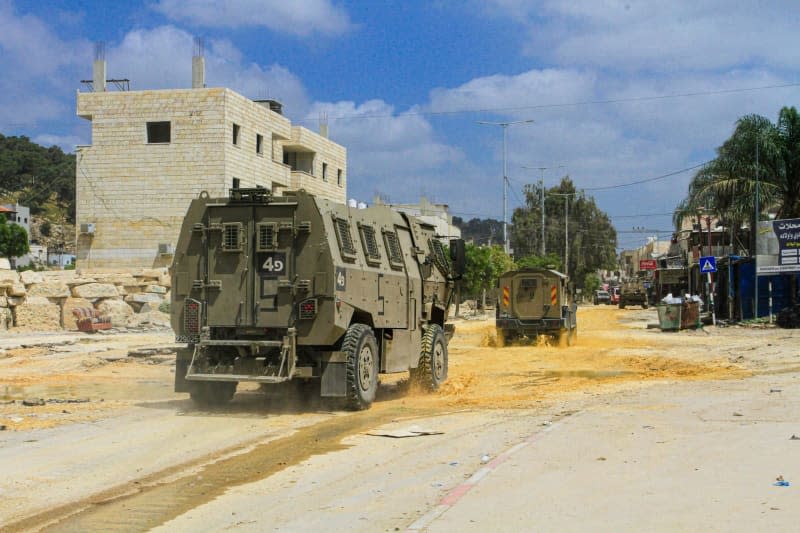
[
  {"x": 543, "y": 246},
  {"x": 505, "y": 125}
]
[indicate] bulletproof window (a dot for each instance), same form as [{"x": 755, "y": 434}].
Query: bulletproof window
[
  {"x": 527, "y": 289},
  {"x": 158, "y": 132},
  {"x": 236, "y": 130},
  {"x": 346, "y": 245},
  {"x": 232, "y": 237},
  {"x": 393, "y": 249},
  {"x": 267, "y": 236},
  {"x": 370, "y": 244},
  {"x": 259, "y": 144},
  {"x": 439, "y": 257}
]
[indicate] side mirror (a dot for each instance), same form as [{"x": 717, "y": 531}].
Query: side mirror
[{"x": 458, "y": 256}]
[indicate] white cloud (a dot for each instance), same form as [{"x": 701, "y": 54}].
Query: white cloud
[
  {"x": 656, "y": 36},
  {"x": 388, "y": 152},
  {"x": 298, "y": 17},
  {"x": 161, "y": 58}
]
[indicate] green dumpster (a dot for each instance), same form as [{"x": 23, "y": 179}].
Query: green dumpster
[{"x": 669, "y": 316}]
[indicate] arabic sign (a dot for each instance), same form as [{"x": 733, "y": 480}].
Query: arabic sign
[
  {"x": 647, "y": 264},
  {"x": 788, "y": 233}
]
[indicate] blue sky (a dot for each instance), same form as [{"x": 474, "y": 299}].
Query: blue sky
[{"x": 619, "y": 91}]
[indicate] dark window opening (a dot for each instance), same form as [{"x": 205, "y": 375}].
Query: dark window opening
[
  {"x": 259, "y": 144},
  {"x": 236, "y": 130},
  {"x": 324, "y": 171},
  {"x": 393, "y": 249},
  {"x": 370, "y": 244},
  {"x": 158, "y": 132},
  {"x": 232, "y": 237},
  {"x": 345, "y": 239},
  {"x": 236, "y": 183},
  {"x": 339, "y": 177}
]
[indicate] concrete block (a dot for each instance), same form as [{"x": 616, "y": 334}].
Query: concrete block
[
  {"x": 10, "y": 276},
  {"x": 93, "y": 291},
  {"x": 29, "y": 277},
  {"x": 117, "y": 310},
  {"x": 37, "y": 313},
  {"x": 16, "y": 289},
  {"x": 55, "y": 289}
]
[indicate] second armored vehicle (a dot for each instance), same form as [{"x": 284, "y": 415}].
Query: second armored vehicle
[
  {"x": 633, "y": 292},
  {"x": 270, "y": 289},
  {"x": 533, "y": 302}
]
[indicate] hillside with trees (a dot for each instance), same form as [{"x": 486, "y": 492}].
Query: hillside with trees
[{"x": 38, "y": 177}]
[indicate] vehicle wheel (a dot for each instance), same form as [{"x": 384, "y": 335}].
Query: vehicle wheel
[
  {"x": 361, "y": 349},
  {"x": 432, "y": 369},
  {"x": 212, "y": 393},
  {"x": 621, "y": 304}
]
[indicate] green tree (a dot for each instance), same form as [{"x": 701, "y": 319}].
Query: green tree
[
  {"x": 592, "y": 238},
  {"x": 13, "y": 239},
  {"x": 591, "y": 283},
  {"x": 757, "y": 151},
  {"x": 550, "y": 260},
  {"x": 484, "y": 266}
]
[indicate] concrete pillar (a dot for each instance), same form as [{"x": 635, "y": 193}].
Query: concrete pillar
[
  {"x": 198, "y": 72},
  {"x": 99, "y": 76}
]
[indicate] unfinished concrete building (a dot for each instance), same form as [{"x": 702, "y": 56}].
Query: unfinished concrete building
[{"x": 153, "y": 151}]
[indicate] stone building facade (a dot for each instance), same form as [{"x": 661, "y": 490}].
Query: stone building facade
[{"x": 153, "y": 151}]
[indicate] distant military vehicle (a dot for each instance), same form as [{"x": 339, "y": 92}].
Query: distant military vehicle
[
  {"x": 533, "y": 302},
  {"x": 633, "y": 292},
  {"x": 270, "y": 289}
]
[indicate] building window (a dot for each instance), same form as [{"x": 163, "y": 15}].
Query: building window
[
  {"x": 324, "y": 171},
  {"x": 339, "y": 177},
  {"x": 259, "y": 144},
  {"x": 236, "y": 183},
  {"x": 236, "y": 130},
  {"x": 158, "y": 132}
]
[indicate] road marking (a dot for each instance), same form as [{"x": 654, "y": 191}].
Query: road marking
[{"x": 455, "y": 494}]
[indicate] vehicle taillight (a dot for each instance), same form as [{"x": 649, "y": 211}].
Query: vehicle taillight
[
  {"x": 191, "y": 317},
  {"x": 308, "y": 308}
]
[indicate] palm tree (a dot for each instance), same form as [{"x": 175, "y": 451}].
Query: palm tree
[{"x": 758, "y": 152}]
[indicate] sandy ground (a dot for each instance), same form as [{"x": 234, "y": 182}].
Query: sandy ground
[{"x": 150, "y": 456}]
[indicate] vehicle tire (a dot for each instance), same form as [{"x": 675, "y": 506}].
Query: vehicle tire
[
  {"x": 432, "y": 369},
  {"x": 212, "y": 393},
  {"x": 621, "y": 304},
  {"x": 361, "y": 349}
]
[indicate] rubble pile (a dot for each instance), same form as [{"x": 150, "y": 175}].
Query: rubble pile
[{"x": 44, "y": 301}]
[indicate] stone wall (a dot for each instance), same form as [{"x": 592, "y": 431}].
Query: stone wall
[{"x": 43, "y": 301}]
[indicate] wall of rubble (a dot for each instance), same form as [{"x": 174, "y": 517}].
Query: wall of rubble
[{"x": 43, "y": 301}]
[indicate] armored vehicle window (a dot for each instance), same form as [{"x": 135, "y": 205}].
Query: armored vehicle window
[
  {"x": 345, "y": 239},
  {"x": 267, "y": 236},
  {"x": 232, "y": 237},
  {"x": 393, "y": 249},
  {"x": 369, "y": 243},
  {"x": 527, "y": 289},
  {"x": 439, "y": 257}
]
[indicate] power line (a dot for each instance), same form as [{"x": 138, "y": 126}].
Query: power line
[
  {"x": 565, "y": 104},
  {"x": 647, "y": 180}
]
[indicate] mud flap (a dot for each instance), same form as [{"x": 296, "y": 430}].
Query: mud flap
[
  {"x": 184, "y": 357},
  {"x": 334, "y": 380}
]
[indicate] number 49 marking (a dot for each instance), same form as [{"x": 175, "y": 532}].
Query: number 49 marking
[{"x": 274, "y": 263}]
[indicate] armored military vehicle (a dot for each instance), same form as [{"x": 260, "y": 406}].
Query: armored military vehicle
[
  {"x": 533, "y": 302},
  {"x": 633, "y": 292},
  {"x": 270, "y": 289}
]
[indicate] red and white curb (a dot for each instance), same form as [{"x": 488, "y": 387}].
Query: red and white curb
[{"x": 452, "y": 497}]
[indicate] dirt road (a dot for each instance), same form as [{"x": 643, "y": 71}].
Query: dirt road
[{"x": 113, "y": 449}]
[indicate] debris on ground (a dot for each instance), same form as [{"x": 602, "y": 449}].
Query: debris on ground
[{"x": 411, "y": 431}]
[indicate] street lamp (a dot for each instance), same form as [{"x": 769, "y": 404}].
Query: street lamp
[
  {"x": 505, "y": 126},
  {"x": 541, "y": 184}
]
